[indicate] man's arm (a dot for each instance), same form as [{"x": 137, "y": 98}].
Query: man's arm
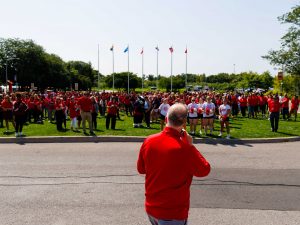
[
  {"x": 141, "y": 163},
  {"x": 200, "y": 166}
]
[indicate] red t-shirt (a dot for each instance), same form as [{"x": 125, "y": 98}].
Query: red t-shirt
[
  {"x": 295, "y": 103},
  {"x": 285, "y": 102},
  {"x": 30, "y": 104},
  {"x": 243, "y": 101},
  {"x": 169, "y": 164},
  {"x": 274, "y": 105},
  {"x": 112, "y": 108},
  {"x": 72, "y": 109},
  {"x": 251, "y": 101},
  {"x": 85, "y": 104},
  {"x": 262, "y": 100},
  {"x": 7, "y": 105}
]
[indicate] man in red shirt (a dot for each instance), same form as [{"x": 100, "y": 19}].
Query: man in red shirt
[
  {"x": 85, "y": 104},
  {"x": 112, "y": 110},
  {"x": 167, "y": 185},
  {"x": 274, "y": 108}
]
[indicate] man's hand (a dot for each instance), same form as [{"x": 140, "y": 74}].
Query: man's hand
[{"x": 186, "y": 137}]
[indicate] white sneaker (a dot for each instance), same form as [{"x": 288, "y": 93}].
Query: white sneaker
[
  {"x": 228, "y": 136},
  {"x": 220, "y": 135}
]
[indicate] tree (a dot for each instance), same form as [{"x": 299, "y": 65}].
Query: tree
[
  {"x": 32, "y": 64},
  {"x": 288, "y": 56},
  {"x": 121, "y": 80},
  {"x": 82, "y": 73}
]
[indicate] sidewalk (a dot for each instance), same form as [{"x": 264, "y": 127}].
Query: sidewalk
[{"x": 96, "y": 139}]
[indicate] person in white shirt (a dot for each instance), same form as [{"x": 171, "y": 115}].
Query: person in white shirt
[
  {"x": 208, "y": 115},
  {"x": 193, "y": 116},
  {"x": 163, "y": 110},
  {"x": 224, "y": 112}
]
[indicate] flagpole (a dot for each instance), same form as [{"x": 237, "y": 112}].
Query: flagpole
[
  {"x": 143, "y": 70},
  {"x": 157, "y": 67},
  {"x": 113, "y": 68},
  {"x": 186, "y": 69},
  {"x": 172, "y": 70},
  {"x": 128, "y": 69},
  {"x": 98, "y": 71}
]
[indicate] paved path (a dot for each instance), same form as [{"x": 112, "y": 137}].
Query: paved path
[{"x": 97, "y": 183}]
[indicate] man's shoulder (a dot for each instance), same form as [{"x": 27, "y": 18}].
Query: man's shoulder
[{"x": 153, "y": 137}]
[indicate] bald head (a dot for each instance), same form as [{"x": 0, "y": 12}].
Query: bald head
[{"x": 177, "y": 114}]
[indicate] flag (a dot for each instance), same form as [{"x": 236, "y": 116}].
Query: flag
[
  {"x": 142, "y": 52},
  {"x": 185, "y": 51},
  {"x": 171, "y": 49},
  {"x": 126, "y": 49},
  {"x": 112, "y": 48},
  {"x": 157, "y": 49}
]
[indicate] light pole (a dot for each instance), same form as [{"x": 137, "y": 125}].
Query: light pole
[{"x": 6, "y": 75}]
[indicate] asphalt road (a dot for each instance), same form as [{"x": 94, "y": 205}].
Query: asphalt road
[{"x": 97, "y": 183}]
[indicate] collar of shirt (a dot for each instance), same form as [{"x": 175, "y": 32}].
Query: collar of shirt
[{"x": 171, "y": 131}]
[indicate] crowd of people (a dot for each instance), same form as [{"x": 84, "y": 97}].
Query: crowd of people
[{"x": 204, "y": 108}]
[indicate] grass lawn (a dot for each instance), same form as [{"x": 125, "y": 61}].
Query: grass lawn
[{"x": 240, "y": 128}]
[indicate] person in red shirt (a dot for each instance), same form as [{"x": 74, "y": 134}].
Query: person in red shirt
[
  {"x": 72, "y": 106},
  {"x": 262, "y": 104},
  {"x": 256, "y": 103},
  {"x": 19, "y": 111},
  {"x": 59, "y": 113},
  {"x": 285, "y": 106},
  {"x": 234, "y": 105},
  {"x": 294, "y": 106},
  {"x": 50, "y": 107},
  {"x": 85, "y": 104},
  {"x": 243, "y": 104},
  {"x": 128, "y": 105},
  {"x": 1, "y": 112},
  {"x": 7, "y": 107},
  {"x": 31, "y": 108},
  {"x": 274, "y": 108},
  {"x": 95, "y": 109},
  {"x": 167, "y": 185},
  {"x": 112, "y": 110},
  {"x": 251, "y": 103}
]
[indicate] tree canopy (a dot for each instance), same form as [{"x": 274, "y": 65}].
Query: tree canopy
[
  {"x": 288, "y": 56},
  {"x": 28, "y": 63}
]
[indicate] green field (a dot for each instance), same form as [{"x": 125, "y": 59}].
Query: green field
[{"x": 240, "y": 128}]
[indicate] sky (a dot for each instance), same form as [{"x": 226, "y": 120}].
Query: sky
[{"x": 220, "y": 35}]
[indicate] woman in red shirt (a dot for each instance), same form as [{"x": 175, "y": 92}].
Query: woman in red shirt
[
  {"x": 294, "y": 107},
  {"x": 7, "y": 107},
  {"x": 72, "y": 105}
]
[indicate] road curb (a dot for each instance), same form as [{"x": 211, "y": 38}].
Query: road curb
[{"x": 96, "y": 139}]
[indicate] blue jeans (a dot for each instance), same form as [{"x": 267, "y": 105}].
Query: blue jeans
[{"x": 155, "y": 221}]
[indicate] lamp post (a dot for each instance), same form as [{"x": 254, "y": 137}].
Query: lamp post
[{"x": 6, "y": 75}]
